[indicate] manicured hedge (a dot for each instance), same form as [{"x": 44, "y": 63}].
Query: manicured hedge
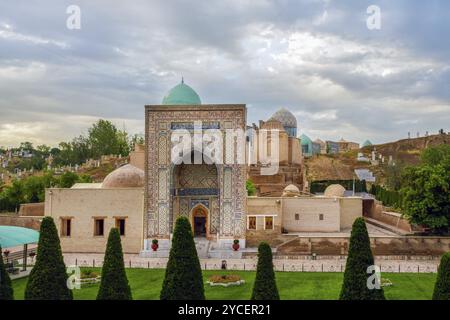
[{"x": 389, "y": 198}]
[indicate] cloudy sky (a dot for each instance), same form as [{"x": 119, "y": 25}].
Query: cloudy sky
[{"x": 314, "y": 57}]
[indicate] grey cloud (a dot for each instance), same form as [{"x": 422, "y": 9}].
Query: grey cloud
[{"x": 127, "y": 55}]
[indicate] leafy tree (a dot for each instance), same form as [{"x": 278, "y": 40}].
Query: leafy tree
[
  {"x": 250, "y": 186},
  {"x": 48, "y": 278},
  {"x": 55, "y": 151},
  {"x": 394, "y": 176},
  {"x": 74, "y": 152},
  {"x": 114, "y": 283},
  {"x": 442, "y": 286},
  {"x": 359, "y": 259},
  {"x": 68, "y": 179},
  {"x": 34, "y": 189},
  {"x": 103, "y": 138},
  {"x": 12, "y": 196},
  {"x": 123, "y": 143},
  {"x": 26, "y": 146},
  {"x": 426, "y": 196},
  {"x": 436, "y": 155},
  {"x": 265, "y": 286},
  {"x": 6, "y": 290},
  {"x": 183, "y": 279},
  {"x": 43, "y": 150}
]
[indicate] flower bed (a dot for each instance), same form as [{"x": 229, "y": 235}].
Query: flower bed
[
  {"x": 88, "y": 277},
  {"x": 225, "y": 280},
  {"x": 386, "y": 282}
]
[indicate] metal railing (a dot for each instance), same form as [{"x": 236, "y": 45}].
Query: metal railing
[{"x": 278, "y": 266}]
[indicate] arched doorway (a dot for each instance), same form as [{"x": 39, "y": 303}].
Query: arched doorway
[
  {"x": 200, "y": 221},
  {"x": 195, "y": 194}
]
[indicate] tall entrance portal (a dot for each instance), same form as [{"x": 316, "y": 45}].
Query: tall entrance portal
[{"x": 211, "y": 196}]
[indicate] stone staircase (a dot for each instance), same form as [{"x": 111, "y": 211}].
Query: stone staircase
[
  {"x": 387, "y": 227},
  {"x": 202, "y": 246}
]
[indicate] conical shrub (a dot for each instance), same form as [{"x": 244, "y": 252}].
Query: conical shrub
[
  {"x": 359, "y": 259},
  {"x": 183, "y": 279},
  {"x": 442, "y": 286},
  {"x": 265, "y": 286},
  {"x": 114, "y": 283},
  {"x": 48, "y": 278}
]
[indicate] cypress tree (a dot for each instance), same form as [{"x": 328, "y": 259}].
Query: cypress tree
[
  {"x": 48, "y": 278},
  {"x": 114, "y": 283},
  {"x": 265, "y": 286},
  {"x": 6, "y": 291},
  {"x": 442, "y": 286},
  {"x": 183, "y": 279},
  {"x": 359, "y": 259}
]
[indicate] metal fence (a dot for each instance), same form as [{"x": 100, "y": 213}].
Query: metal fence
[{"x": 278, "y": 266}]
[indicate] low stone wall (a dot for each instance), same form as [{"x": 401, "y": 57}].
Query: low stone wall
[
  {"x": 394, "y": 219},
  {"x": 381, "y": 246},
  {"x": 272, "y": 237},
  {"x": 32, "y": 209},
  {"x": 17, "y": 221}
]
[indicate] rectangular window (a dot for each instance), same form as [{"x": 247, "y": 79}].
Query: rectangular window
[
  {"x": 251, "y": 223},
  {"x": 120, "y": 224},
  {"x": 66, "y": 227},
  {"x": 99, "y": 227},
  {"x": 297, "y": 216},
  {"x": 321, "y": 216},
  {"x": 268, "y": 222}
]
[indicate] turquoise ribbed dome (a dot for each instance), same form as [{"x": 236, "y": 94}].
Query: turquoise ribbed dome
[
  {"x": 182, "y": 94},
  {"x": 367, "y": 143},
  {"x": 305, "y": 139}
]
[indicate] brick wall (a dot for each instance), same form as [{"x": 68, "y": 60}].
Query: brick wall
[
  {"x": 17, "y": 221},
  {"x": 381, "y": 246}
]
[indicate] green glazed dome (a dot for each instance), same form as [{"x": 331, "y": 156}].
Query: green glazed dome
[
  {"x": 367, "y": 143},
  {"x": 181, "y": 94},
  {"x": 305, "y": 139}
]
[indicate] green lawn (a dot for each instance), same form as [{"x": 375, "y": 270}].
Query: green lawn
[{"x": 146, "y": 284}]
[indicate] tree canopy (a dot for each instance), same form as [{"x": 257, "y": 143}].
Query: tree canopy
[{"x": 426, "y": 196}]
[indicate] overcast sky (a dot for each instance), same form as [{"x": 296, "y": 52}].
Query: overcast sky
[{"x": 314, "y": 57}]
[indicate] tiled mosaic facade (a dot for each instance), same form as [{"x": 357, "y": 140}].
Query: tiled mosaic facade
[{"x": 222, "y": 191}]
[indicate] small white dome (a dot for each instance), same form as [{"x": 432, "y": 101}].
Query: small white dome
[
  {"x": 127, "y": 176},
  {"x": 334, "y": 190}
]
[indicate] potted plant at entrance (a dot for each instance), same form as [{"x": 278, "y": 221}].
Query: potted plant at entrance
[
  {"x": 155, "y": 244},
  {"x": 236, "y": 245},
  {"x": 6, "y": 254}
]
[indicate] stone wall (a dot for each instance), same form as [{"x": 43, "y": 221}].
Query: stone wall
[
  {"x": 17, "y": 221},
  {"x": 350, "y": 208},
  {"x": 314, "y": 214},
  {"x": 32, "y": 209},
  {"x": 394, "y": 219},
  {"x": 381, "y": 246}
]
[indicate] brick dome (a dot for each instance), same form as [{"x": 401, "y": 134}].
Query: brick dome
[
  {"x": 291, "y": 191},
  {"x": 334, "y": 190},
  {"x": 127, "y": 176}
]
